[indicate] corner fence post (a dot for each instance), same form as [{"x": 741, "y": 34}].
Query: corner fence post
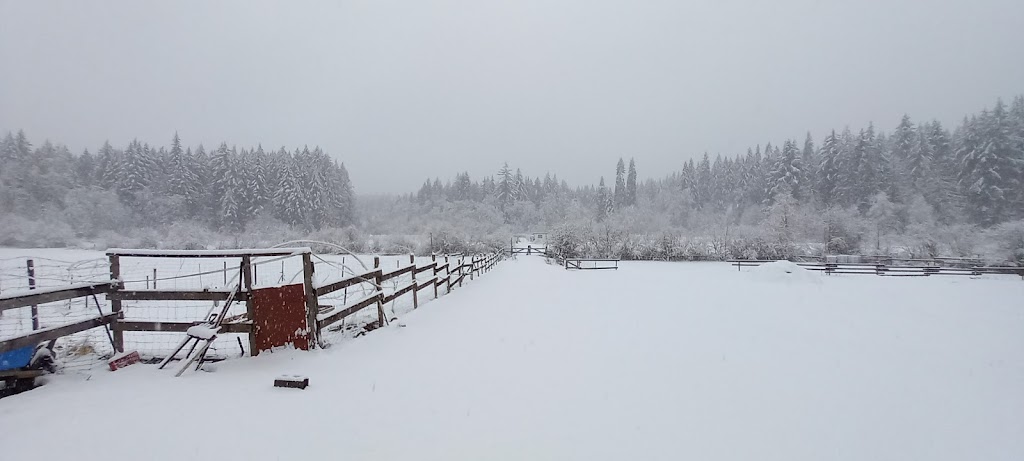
[
  {"x": 115, "y": 304},
  {"x": 250, "y": 309},
  {"x": 311, "y": 300}
]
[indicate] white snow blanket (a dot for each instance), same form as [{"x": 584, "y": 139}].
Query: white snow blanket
[
  {"x": 655, "y": 361},
  {"x": 784, "y": 271}
]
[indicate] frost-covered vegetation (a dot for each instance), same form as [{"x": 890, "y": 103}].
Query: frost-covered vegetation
[
  {"x": 155, "y": 196},
  {"x": 921, "y": 191}
]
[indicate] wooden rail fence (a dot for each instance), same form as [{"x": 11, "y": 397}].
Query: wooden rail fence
[
  {"x": 892, "y": 270},
  {"x": 445, "y": 272}
]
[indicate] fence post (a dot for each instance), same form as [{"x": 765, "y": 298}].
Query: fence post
[
  {"x": 311, "y": 300},
  {"x": 154, "y": 278},
  {"x": 448, "y": 273},
  {"x": 378, "y": 279},
  {"x": 115, "y": 304},
  {"x": 415, "y": 286},
  {"x": 462, "y": 263},
  {"x": 31, "y": 266},
  {"x": 247, "y": 276},
  {"x": 433, "y": 259}
]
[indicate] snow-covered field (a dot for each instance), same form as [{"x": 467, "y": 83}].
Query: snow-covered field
[{"x": 653, "y": 361}]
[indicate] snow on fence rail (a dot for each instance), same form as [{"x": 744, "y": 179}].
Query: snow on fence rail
[
  {"x": 905, "y": 268},
  {"x": 150, "y": 298}
]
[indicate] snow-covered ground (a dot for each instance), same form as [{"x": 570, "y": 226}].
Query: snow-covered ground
[{"x": 653, "y": 361}]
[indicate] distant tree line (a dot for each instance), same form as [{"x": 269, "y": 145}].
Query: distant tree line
[
  {"x": 142, "y": 185},
  {"x": 921, "y": 189},
  {"x": 853, "y": 189},
  {"x": 973, "y": 174}
]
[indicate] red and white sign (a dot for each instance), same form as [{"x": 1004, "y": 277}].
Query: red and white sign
[{"x": 123, "y": 359}]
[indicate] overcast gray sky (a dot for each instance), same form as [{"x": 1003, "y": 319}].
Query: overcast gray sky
[{"x": 404, "y": 90}]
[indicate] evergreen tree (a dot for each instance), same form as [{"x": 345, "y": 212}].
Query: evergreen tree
[
  {"x": 288, "y": 201},
  {"x": 259, "y": 190},
  {"x": 991, "y": 166},
  {"x": 108, "y": 167},
  {"x": 788, "y": 169},
  {"x": 135, "y": 172},
  {"x": 828, "y": 171},
  {"x": 85, "y": 169},
  {"x": 505, "y": 190},
  {"x": 620, "y": 183},
  {"x": 604, "y": 201},
  {"x": 701, "y": 189},
  {"x": 809, "y": 160},
  {"x": 919, "y": 160},
  {"x": 232, "y": 211},
  {"x": 631, "y": 184}
]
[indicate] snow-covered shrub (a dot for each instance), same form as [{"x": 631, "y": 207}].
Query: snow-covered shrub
[
  {"x": 1008, "y": 239},
  {"x": 568, "y": 241},
  {"x": 91, "y": 210}
]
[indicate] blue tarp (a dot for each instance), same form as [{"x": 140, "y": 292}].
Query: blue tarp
[{"x": 18, "y": 358}]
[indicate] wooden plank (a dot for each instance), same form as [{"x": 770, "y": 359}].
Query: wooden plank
[
  {"x": 21, "y": 374},
  {"x": 425, "y": 284},
  {"x": 397, "y": 273},
  {"x": 46, "y": 334},
  {"x": 15, "y": 301},
  {"x": 180, "y": 327},
  {"x": 395, "y": 295},
  {"x": 426, "y": 268},
  {"x": 174, "y": 295},
  {"x": 137, "y": 253},
  {"x": 337, "y": 316},
  {"x": 345, "y": 283}
]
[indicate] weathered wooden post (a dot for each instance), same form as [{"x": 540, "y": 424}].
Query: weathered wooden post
[
  {"x": 415, "y": 286},
  {"x": 462, "y": 263},
  {"x": 379, "y": 281},
  {"x": 247, "y": 276},
  {"x": 311, "y": 299},
  {"x": 433, "y": 259},
  {"x": 31, "y": 265},
  {"x": 448, "y": 273},
  {"x": 115, "y": 304}
]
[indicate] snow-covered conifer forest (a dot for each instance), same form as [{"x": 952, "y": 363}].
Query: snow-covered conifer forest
[{"x": 915, "y": 189}]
